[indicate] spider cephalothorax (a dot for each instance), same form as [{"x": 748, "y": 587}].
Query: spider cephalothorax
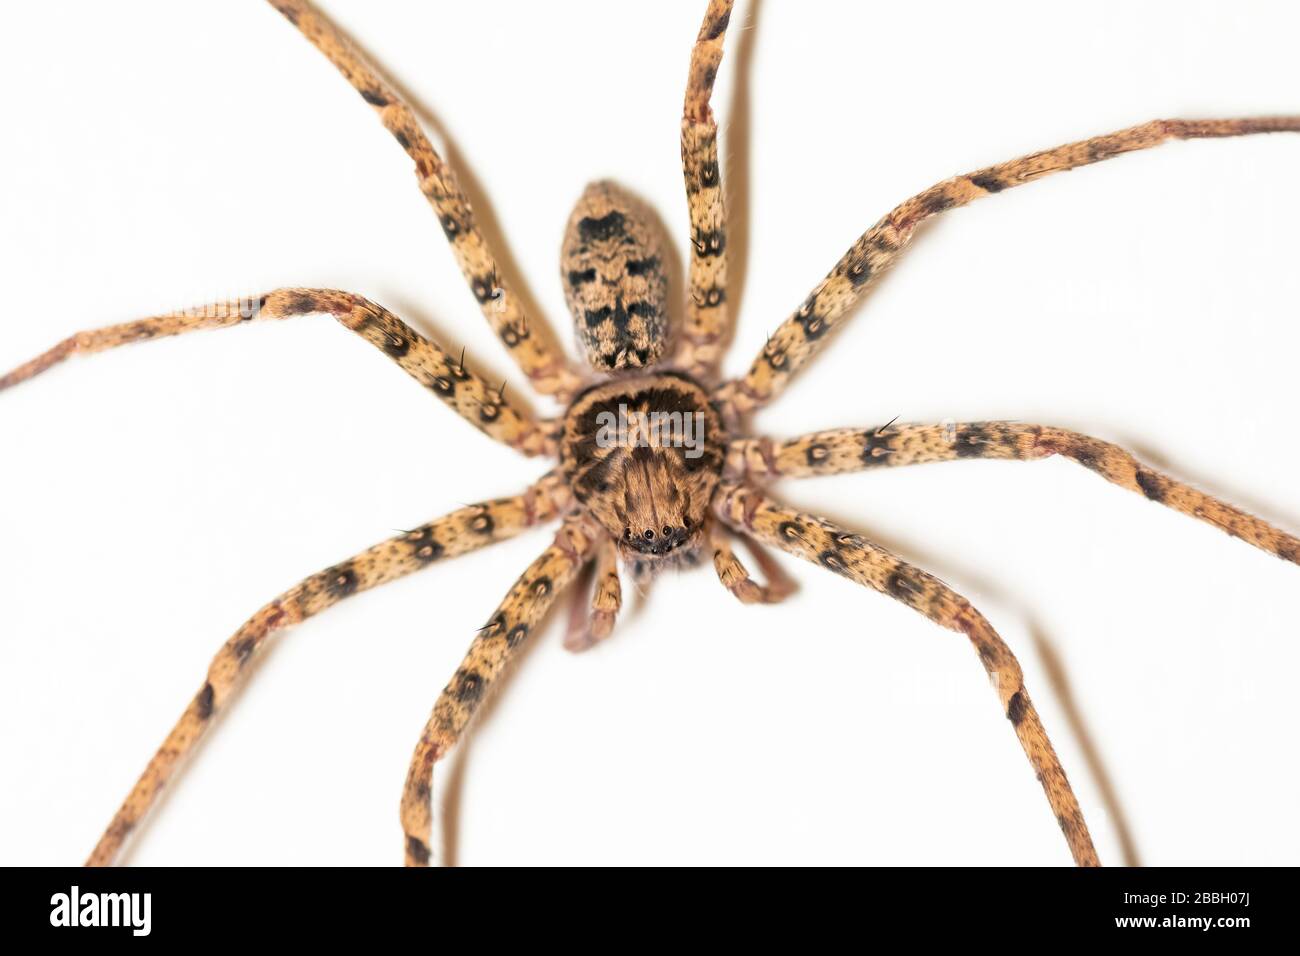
[
  {"x": 644, "y": 455},
  {"x": 645, "y": 466}
]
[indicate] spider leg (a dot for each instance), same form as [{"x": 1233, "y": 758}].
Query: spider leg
[
  {"x": 779, "y": 583},
  {"x": 576, "y": 637},
  {"x": 821, "y": 542},
  {"x": 480, "y": 404},
  {"x": 532, "y": 347},
  {"x": 588, "y": 627},
  {"x": 798, "y": 338},
  {"x": 461, "y": 531},
  {"x": 493, "y": 648},
  {"x": 842, "y": 450},
  {"x": 700, "y": 342},
  {"x": 735, "y": 576}
]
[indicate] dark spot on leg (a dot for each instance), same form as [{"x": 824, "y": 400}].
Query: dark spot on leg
[
  {"x": 987, "y": 182},
  {"x": 120, "y": 828},
  {"x": 817, "y": 455},
  {"x": 883, "y": 241},
  {"x": 514, "y": 333},
  {"x": 1086, "y": 457},
  {"x": 1151, "y": 486},
  {"x": 971, "y": 441},
  {"x": 517, "y": 634},
  {"x": 577, "y": 278},
  {"x": 340, "y": 581},
  {"x": 813, "y": 325},
  {"x": 395, "y": 343},
  {"x": 1016, "y": 708},
  {"x": 402, "y": 139},
  {"x": 710, "y": 244},
  {"x": 834, "y": 561},
  {"x": 374, "y": 98},
  {"x": 859, "y": 272},
  {"x": 417, "y": 851},
  {"x": 443, "y": 386},
  {"x": 935, "y": 203},
  {"x": 790, "y": 530},
  {"x": 485, "y": 288},
  {"x": 300, "y": 303},
  {"x": 903, "y": 587},
  {"x": 203, "y": 702},
  {"x": 483, "y": 524},
  {"x": 451, "y": 228},
  {"x": 243, "y": 649},
  {"x": 424, "y": 547},
  {"x": 541, "y": 587},
  {"x": 875, "y": 447},
  {"x": 717, "y": 26},
  {"x": 469, "y": 687}
]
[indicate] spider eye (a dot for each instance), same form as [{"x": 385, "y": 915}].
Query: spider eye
[
  {"x": 686, "y": 524},
  {"x": 667, "y": 531},
  {"x": 627, "y": 532},
  {"x": 649, "y": 535}
]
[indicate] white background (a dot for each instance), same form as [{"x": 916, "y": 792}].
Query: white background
[{"x": 159, "y": 155}]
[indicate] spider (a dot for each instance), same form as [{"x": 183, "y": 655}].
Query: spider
[{"x": 645, "y": 501}]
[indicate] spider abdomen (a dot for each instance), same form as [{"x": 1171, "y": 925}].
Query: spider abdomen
[{"x": 614, "y": 281}]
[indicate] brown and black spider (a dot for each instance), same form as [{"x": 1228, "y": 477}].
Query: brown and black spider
[{"x": 653, "y": 503}]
